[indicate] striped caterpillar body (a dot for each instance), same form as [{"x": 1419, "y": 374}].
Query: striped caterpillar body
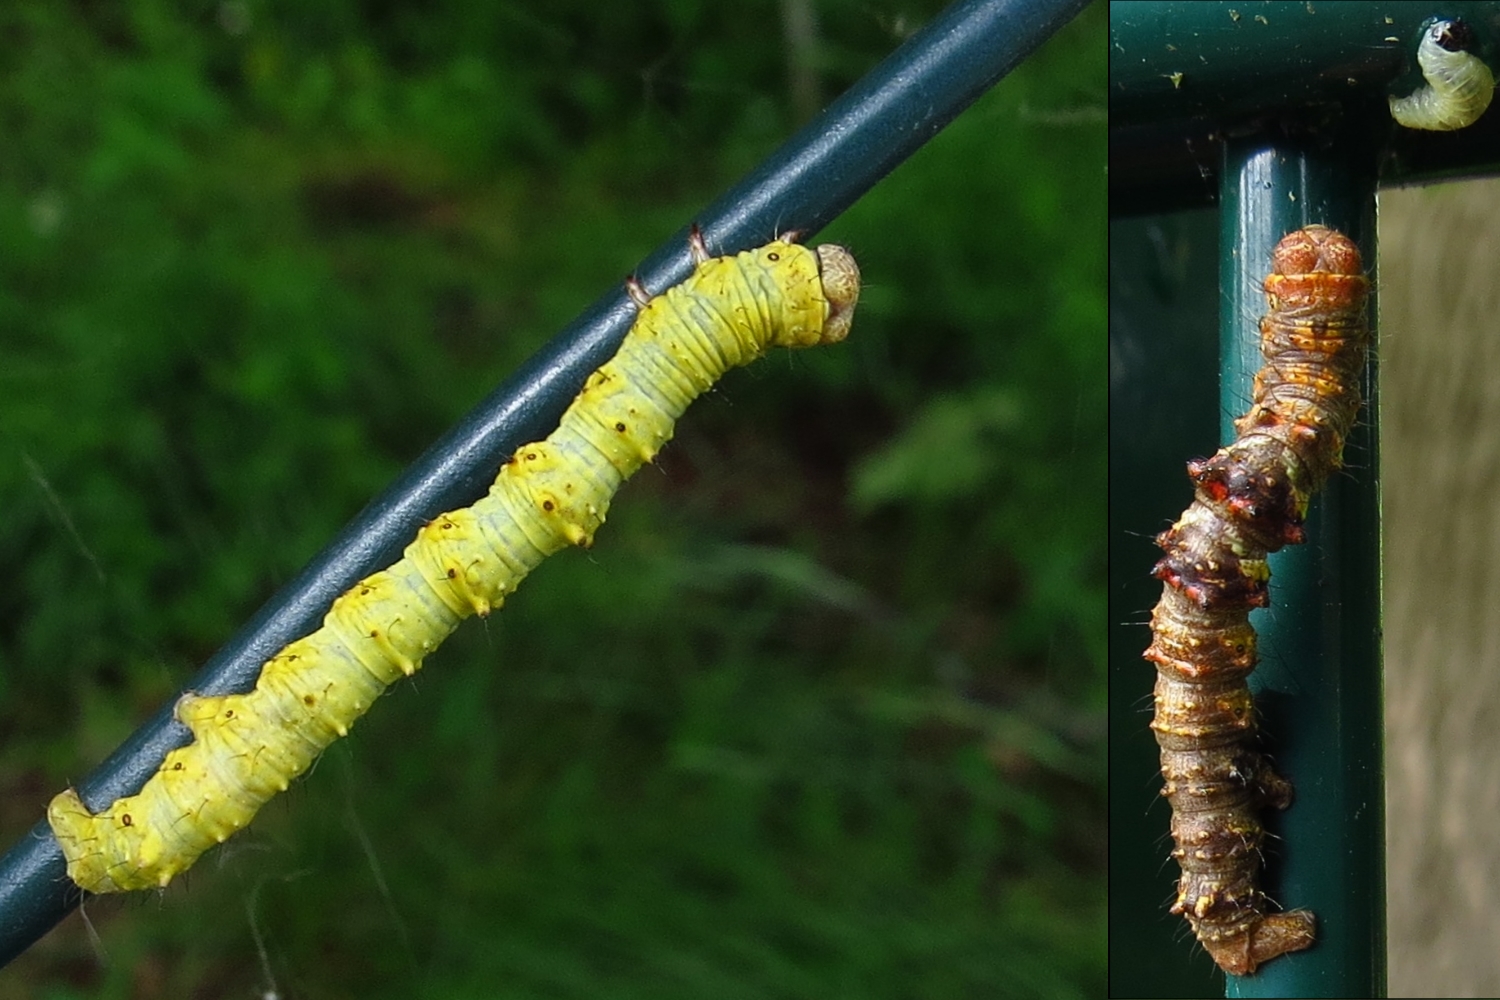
[
  {"x": 1459, "y": 85},
  {"x": 248, "y": 747},
  {"x": 1251, "y": 499}
]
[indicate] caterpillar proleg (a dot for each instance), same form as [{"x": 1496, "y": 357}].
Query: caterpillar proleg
[
  {"x": 1459, "y": 85},
  {"x": 551, "y": 493},
  {"x": 1251, "y": 499}
]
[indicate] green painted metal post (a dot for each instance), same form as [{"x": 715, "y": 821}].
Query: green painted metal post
[{"x": 1318, "y": 684}]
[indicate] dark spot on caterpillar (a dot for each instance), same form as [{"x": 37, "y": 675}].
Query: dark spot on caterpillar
[
  {"x": 547, "y": 506},
  {"x": 620, "y": 426},
  {"x": 1250, "y": 500},
  {"x": 126, "y": 820},
  {"x": 773, "y": 257},
  {"x": 1454, "y": 35}
]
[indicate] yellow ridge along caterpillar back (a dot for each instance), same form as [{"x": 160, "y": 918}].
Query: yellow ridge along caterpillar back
[
  {"x": 1251, "y": 499},
  {"x": 248, "y": 747}
]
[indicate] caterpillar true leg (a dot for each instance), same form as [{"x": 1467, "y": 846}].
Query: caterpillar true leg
[
  {"x": 1251, "y": 500},
  {"x": 551, "y": 493}
]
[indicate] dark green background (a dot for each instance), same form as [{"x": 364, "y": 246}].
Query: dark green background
[{"x": 821, "y": 714}]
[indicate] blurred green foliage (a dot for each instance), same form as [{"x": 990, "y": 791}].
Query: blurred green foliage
[{"x": 822, "y": 712}]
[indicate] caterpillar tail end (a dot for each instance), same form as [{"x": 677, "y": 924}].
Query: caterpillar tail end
[
  {"x": 106, "y": 852},
  {"x": 76, "y": 829},
  {"x": 1268, "y": 938},
  {"x": 840, "y": 275}
]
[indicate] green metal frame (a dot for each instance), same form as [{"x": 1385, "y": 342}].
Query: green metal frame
[{"x": 1275, "y": 113}]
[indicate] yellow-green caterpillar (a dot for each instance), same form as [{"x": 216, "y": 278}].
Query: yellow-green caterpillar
[
  {"x": 1459, "y": 85},
  {"x": 247, "y": 747}
]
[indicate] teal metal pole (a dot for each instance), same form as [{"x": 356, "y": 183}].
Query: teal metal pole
[{"x": 1318, "y": 686}]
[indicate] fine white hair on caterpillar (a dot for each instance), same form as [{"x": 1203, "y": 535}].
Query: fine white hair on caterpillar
[
  {"x": 1251, "y": 499},
  {"x": 552, "y": 493},
  {"x": 1459, "y": 85}
]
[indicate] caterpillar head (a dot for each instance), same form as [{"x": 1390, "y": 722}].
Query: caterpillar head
[
  {"x": 1314, "y": 250},
  {"x": 1316, "y": 269},
  {"x": 840, "y": 276},
  {"x": 1451, "y": 36}
]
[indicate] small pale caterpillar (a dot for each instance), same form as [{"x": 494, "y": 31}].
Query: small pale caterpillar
[
  {"x": 1251, "y": 499},
  {"x": 248, "y": 747},
  {"x": 1459, "y": 84}
]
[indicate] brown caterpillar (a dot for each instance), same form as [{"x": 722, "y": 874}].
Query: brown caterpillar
[
  {"x": 248, "y": 747},
  {"x": 1251, "y": 499}
]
